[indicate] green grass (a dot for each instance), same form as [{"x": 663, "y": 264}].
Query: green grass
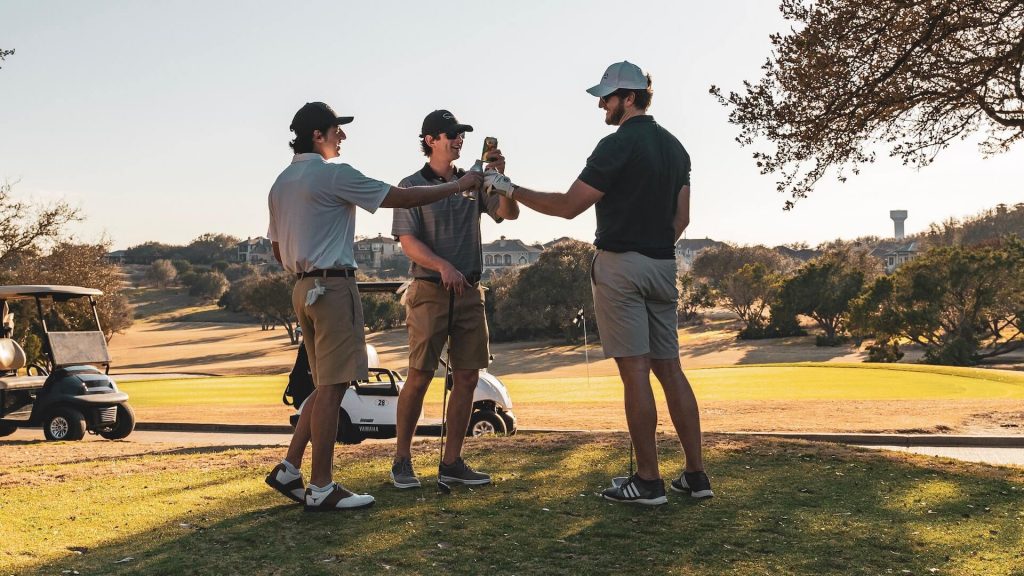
[
  {"x": 811, "y": 381},
  {"x": 781, "y": 508}
]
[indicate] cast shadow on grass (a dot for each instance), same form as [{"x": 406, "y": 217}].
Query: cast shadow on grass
[
  {"x": 195, "y": 360},
  {"x": 781, "y": 507}
]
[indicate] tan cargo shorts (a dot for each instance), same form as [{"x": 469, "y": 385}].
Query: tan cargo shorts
[
  {"x": 635, "y": 298},
  {"x": 332, "y": 330},
  {"x": 426, "y": 316}
]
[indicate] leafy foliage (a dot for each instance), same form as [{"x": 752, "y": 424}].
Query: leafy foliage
[
  {"x": 28, "y": 229},
  {"x": 163, "y": 273},
  {"x": 541, "y": 300},
  {"x": 911, "y": 75},
  {"x": 962, "y": 305},
  {"x": 823, "y": 288},
  {"x": 746, "y": 280},
  {"x": 207, "y": 285},
  {"x": 694, "y": 296}
]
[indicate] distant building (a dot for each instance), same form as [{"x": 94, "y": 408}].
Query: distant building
[
  {"x": 688, "y": 249},
  {"x": 895, "y": 255},
  {"x": 799, "y": 254},
  {"x": 371, "y": 252},
  {"x": 504, "y": 254},
  {"x": 547, "y": 245},
  {"x": 255, "y": 251},
  {"x": 117, "y": 256}
]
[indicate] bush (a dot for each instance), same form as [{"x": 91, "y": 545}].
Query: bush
[
  {"x": 161, "y": 273},
  {"x": 208, "y": 285},
  {"x": 182, "y": 266}
]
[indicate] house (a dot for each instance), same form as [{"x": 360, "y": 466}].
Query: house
[
  {"x": 894, "y": 255},
  {"x": 117, "y": 256},
  {"x": 371, "y": 252},
  {"x": 505, "y": 254},
  {"x": 688, "y": 249},
  {"x": 255, "y": 251},
  {"x": 798, "y": 254}
]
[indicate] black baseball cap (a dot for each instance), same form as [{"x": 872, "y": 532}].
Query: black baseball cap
[
  {"x": 440, "y": 121},
  {"x": 316, "y": 115}
]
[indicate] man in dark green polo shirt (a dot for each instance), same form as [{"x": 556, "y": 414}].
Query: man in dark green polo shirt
[{"x": 638, "y": 178}]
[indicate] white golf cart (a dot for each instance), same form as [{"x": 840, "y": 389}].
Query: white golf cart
[{"x": 369, "y": 409}]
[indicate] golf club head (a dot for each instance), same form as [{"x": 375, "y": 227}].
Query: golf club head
[
  {"x": 443, "y": 488},
  {"x": 619, "y": 481}
]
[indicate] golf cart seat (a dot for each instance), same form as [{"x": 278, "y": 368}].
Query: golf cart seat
[{"x": 12, "y": 359}]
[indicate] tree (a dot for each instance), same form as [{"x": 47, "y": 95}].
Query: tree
[
  {"x": 27, "y": 229},
  {"x": 694, "y": 296},
  {"x": 206, "y": 285},
  {"x": 542, "y": 299},
  {"x": 911, "y": 75},
  {"x": 161, "y": 273},
  {"x": 147, "y": 252},
  {"x": 962, "y": 305},
  {"x": 270, "y": 296},
  {"x": 823, "y": 288},
  {"x": 382, "y": 311},
  {"x": 209, "y": 248},
  {"x": 4, "y": 54},
  {"x": 748, "y": 292},
  {"x": 716, "y": 264},
  {"x": 396, "y": 266},
  {"x": 75, "y": 265}
]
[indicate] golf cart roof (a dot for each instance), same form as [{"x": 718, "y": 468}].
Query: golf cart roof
[{"x": 46, "y": 291}]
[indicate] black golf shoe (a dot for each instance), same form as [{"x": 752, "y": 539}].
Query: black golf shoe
[{"x": 636, "y": 490}]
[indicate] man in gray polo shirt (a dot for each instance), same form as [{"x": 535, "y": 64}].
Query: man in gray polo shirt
[
  {"x": 638, "y": 178},
  {"x": 312, "y": 226},
  {"x": 443, "y": 241}
]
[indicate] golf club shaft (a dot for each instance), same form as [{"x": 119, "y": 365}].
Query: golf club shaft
[{"x": 447, "y": 376}]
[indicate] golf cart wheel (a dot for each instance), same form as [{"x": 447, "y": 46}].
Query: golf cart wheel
[
  {"x": 347, "y": 433},
  {"x": 486, "y": 423},
  {"x": 123, "y": 427},
  {"x": 64, "y": 423},
  {"x": 7, "y": 429}
]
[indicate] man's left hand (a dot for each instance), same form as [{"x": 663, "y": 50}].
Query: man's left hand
[{"x": 495, "y": 161}]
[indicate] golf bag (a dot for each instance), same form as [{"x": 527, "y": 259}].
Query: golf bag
[{"x": 300, "y": 381}]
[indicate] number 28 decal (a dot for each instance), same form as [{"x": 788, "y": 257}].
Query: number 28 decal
[{"x": 382, "y": 402}]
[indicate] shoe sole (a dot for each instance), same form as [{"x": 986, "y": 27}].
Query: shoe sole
[
  {"x": 645, "y": 501},
  {"x": 308, "y": 508},
  {"x": 697, "y": 494},
  {"x": 281, "y": 490},
  {"x": 405, "y": 485},
  {"x": 454, "y": 480}
]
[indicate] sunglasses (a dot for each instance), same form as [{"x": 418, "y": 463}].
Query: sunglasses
[{"x": 452, "y": 135}]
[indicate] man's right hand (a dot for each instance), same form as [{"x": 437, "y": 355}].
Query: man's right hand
[
  {"x": 470, "y": 181},
  {"x": 453, "y": 280}
]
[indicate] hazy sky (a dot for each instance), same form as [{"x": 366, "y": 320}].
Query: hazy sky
[{"x": 165, "y": 120}]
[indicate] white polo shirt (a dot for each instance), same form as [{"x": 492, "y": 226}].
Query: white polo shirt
[{"x": 313, "y": 212}]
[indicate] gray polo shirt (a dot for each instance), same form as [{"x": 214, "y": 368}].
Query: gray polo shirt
[
  {"x": 449, "y": 227},
  {"x": 313, "y": 212}
]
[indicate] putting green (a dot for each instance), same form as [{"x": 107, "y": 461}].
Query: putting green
[{"x": 811, "y": 381}]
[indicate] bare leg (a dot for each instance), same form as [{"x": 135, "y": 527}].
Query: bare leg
[
  {"x": 460, "y": 407},
  {"x": 641, "y": 413},
  {"x": 682, "y": 406},
  {"x": 324, "y": 431},
  {"x": 410, "y": 406},
  {"x": 300, "y": 437}
]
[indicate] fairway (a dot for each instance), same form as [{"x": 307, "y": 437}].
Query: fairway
[{"x": 774, "y": 382}]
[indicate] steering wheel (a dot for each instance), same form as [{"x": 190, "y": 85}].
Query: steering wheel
[{"x": 37, "y": 369}]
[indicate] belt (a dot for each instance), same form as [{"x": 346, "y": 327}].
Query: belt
[
  {"x": 473, "y": 279},
  {"x": 333, "y": 273}
]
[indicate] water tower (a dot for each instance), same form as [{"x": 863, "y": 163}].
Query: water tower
[{"x": 898, "y": 217}]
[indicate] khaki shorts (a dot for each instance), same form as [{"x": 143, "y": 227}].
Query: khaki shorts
[
  {"x": 635, "y": 298},
  {"x": 426, "y": 316},
  {"x": 332, "y": 330}
]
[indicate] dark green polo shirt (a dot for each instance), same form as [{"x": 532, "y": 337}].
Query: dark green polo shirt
[{"x": 640, "y": 169}]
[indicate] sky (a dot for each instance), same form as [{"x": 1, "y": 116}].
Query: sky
[{"x": 164, "y": 120}]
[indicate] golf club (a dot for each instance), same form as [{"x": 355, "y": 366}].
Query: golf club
[{"x": 441, "y": 485}]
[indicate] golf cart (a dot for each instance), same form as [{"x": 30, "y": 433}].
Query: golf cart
[
  {"x": 70, "y": 394},
  {"x": 369, "y": 408}
]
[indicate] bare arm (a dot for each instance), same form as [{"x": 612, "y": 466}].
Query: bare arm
[
  {"x": 682, "y": 218},
  {"x": 508, "y": 209},
  {"x": 421, "y": 195},
  {"x": 420, "y": 253},
  {"x": 566, "y": 205}
]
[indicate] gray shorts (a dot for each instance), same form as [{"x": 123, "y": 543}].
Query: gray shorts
[{"x": 635, "y": 298}]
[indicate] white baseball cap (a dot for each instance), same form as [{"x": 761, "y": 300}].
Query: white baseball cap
[{"x": 619, "y": 75}]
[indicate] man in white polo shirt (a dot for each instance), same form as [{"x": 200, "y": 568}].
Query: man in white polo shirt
[{"x": 312, "y": 228}]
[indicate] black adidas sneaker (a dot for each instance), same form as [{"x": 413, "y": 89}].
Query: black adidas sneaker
[
  {"x": 636, "y": 490},
  {"x": 694, "y": 483}
]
